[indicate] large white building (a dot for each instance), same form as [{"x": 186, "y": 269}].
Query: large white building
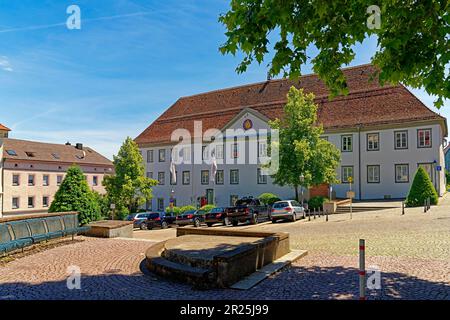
[{"x": 384, "y": 134}]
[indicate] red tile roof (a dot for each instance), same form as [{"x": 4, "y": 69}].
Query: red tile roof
[
  {"x": 366, "y": 104},
  {"x": 2, "y": 127},
  {"x": 46, "y": 151}
]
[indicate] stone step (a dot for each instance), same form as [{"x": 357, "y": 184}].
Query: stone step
[
  {"x": 198, "y": 277},
  {"x": 346, "y": 209}
]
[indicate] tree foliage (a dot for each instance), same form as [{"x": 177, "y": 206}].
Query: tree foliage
[
  {"x": 421, "y": 189},
  {"x": 268, "y": 199},
  {"x": 128, "y": 187},
  {"x": 74, "y": 194},
  {"x": 302, "y": 151},
  {"x": 413, "y": 41}
]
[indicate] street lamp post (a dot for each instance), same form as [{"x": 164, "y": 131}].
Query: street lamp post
[
  {"x": 302, "y": 180},
  {"x": 172, "y": 192}
]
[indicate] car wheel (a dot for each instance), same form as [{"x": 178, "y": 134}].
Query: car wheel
[
  {"x": 226, "y": 222},
  {"x": 197, "y": 223},
  {"x": 274, "y": 221},
  {"x": 294, "y": 217},
  {"x": 235, "y": 223},
  {"x": 143, "y": 226},
  {"x": 209, "y": 225},
  {"x": 164, "y": 225}
]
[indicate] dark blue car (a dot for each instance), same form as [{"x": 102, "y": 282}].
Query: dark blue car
[{"x": 158, "y": 220}]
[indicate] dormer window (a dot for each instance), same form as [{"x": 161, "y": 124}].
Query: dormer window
[
  {"x": 11, "y": 153},
  {"x": 56, "y": 156},
  {"x": 30, "y": 154}
]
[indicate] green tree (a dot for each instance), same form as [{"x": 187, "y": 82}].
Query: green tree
[
  {"x": 74, "y": 194},
  {"x": 128, "y": 187},
  {"x": 268, "y": 199},
  {"x": 421, "y": 189},
  {"x": 302, "y": 151},
  {"x": 413, "y": 42}
]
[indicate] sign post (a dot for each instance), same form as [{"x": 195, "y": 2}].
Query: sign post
[{"x": 350, "y": 195}]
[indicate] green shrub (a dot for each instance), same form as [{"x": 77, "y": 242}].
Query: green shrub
[
  {"x": 208, "y": 207},
  {"x": 74, "y": 194},
  {"x": 316, "y": 202},
  {"x": 421, "y": 189},
  {"x": 268, "y": 199},
  {"x": 175, "y": 210},
  {"x": 187, "y": 208}
]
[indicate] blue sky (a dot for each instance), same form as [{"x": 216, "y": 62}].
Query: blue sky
[{"x": 130, "y": 61}]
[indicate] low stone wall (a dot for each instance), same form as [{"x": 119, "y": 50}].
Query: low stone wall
[
  {"x": 35, "y": 216},
  {"x": 110, "y": 229}
]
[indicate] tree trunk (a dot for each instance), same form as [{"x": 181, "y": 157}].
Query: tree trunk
[{"x": 296, "y": 193}]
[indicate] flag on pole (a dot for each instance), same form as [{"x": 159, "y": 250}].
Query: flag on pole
[
  {"x": 213, "y": 169},
  {"x": 173, "y": 173}
]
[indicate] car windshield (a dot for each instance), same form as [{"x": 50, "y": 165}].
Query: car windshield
[
  {"x": 280, "y": 205},
  {"x": 190, "y": 212},
  {"x": 244, "y": 202}
]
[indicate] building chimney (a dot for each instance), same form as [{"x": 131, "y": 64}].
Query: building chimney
[{"x": 79, "y": 146}]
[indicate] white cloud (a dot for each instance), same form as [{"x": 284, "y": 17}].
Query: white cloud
[{"x": 5, "y": 65}]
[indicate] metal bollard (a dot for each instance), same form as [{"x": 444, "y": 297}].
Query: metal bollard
[
  {"x": 362, "y": 269},
  {"x": 425, "y": 206},
  {"x": 314, "y": 213},
  {"x": 326, "y": 213},
  {"x": 403, "y": 208},
  {"x": 309, "y": 215}
]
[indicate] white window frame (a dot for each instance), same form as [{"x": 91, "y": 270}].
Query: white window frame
[
  {"x": 162, "y": 155},
  {"x": 261, "y": 178},
  {"x": 345, "y": 175},
  {"x": 17, "y": 206},
  {"x": 373, "y": 177},
  {"x": 421, "y": 144},
  {"x": 375, "y": 143},
  {"x": 403, "y": 166},
  {"x": 186, "y": 176},
  {"x": 347, "y": 140},
  {"x": 234, "y": 176},
  {"x": 161, "y": 178},
  {"x": 44, "y": 183},
  {"x": 150, "y": 157},
  {"x": 204, "y": 177},
  {"x": 18, "y": 180},
  {"x": 401, "y": 136},
  {"x": 218, "y": 174}
]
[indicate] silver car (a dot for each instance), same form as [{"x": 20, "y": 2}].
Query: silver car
[{"x": 287, "y": 210}]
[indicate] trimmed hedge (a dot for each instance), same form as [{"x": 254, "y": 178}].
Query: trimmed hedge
[
  {"x": 187, "y": 208},
  {"x": 176, "y": 210},
  {"x": 421, "y": 189},
  {"x": 268, "y": 199},
  {"x": 316, "y": 202},
  {"x": 208, "y": 207}
]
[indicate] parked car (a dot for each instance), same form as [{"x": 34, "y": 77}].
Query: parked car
[
  {"x": 217, "y": 215},
  {"x": 158, "y": 220},
  {"x": 287, "y": 210},
  {"x": 193, "y": 217},
  {"x": 248, "y": 209},
  {"x": 138, "y": 218}
]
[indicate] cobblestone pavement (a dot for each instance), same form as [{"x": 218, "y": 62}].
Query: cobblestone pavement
[{"x": 411, "y": 251}]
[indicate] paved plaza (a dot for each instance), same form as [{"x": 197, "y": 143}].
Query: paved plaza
[{"x": 411, "y": 251}]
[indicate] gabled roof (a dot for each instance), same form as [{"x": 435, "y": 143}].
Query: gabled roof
[
  {"x": 4, "y": 128},
  {"x": 39, "y": 151},
  {"x": 367, "y": 104}
]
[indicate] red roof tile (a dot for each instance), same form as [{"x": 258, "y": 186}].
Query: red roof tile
[
  {"x": 367, "y": 104},
  {"x": 2, "y": 127}
]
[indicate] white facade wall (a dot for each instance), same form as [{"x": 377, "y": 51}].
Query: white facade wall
[{"x": 386, "y": 157}]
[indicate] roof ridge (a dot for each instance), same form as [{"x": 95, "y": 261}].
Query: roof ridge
[
  {"x": 268, "y": 81},
  {"x": 271, "y": 103}
]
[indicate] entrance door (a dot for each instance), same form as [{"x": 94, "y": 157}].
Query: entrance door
[{"x": 210, "y": 196}]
